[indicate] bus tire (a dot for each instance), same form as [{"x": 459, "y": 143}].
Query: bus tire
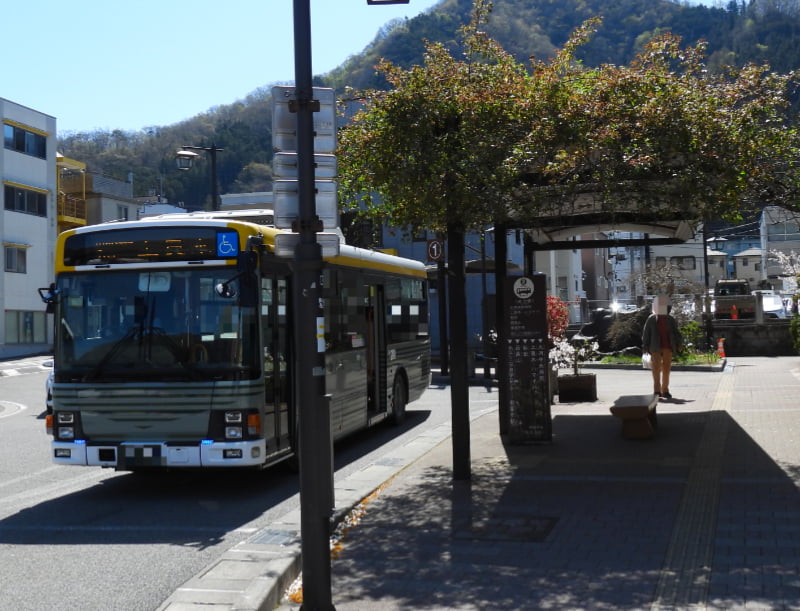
[{"x": 399, "y": 399}]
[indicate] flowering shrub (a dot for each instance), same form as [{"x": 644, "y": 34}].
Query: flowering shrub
[
  {"x": 557, "y": 318},
  {"x": 565, "y": 354}
]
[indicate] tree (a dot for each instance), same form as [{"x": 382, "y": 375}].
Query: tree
[{"x": 427, "y": 154}]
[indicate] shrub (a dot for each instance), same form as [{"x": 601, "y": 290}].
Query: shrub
[
  {"x": 794, "y": 331},
  {"x": 694, "y": 337},
  {"x": 557, "y": 318}
]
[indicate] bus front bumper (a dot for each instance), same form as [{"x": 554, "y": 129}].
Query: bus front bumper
[{"x": 133, "y": 455}]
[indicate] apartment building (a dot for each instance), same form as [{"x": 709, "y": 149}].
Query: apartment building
[{"x": 27, "y": 226}]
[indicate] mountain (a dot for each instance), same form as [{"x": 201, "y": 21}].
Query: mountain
[{"x": 741, "y": 32}]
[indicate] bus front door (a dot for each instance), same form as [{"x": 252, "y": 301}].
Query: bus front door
[
  {"x": 376, "y": 351},
  {"x": 275, "y": 341}
]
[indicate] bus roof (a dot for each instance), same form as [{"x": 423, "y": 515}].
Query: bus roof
[
  {"x": 349, "y": 256},
  {"x": 259, "y": 216}
]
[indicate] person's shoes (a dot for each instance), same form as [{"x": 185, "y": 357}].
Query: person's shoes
[{"x": 666, "y": 395}]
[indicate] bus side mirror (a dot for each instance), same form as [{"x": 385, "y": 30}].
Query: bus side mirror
[{"x": 49, "y": 295}]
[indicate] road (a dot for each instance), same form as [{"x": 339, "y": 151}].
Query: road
[{"x": 90, "y": 538}]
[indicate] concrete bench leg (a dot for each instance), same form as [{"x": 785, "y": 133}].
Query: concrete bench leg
[
  {"x": 638, "y": 415},
  {"x": 640, "y": 428}
]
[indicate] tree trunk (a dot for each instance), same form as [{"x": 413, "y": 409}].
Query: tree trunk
[{"x": 459, "y": 388}]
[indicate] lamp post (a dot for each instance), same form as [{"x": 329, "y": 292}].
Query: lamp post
[
  {"x": 185, "y": 159},
  {"x": 314, "y": 435}
]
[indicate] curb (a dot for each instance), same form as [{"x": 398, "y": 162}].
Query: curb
[{"x": 254, "y": 574}]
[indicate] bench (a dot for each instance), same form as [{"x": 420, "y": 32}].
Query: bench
[{"x": 638, "y": 415}]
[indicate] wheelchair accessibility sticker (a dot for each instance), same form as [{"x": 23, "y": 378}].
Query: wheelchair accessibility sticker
[{"x": 227, "y": 244}]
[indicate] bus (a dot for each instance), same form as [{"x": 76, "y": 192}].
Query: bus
[{"x": 173, "y": 344}]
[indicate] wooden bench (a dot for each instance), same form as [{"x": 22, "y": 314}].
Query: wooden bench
[{"x": 638, "y": 415}]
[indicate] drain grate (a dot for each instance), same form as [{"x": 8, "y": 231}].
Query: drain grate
[
  {"x": 275, "y": 537},
  {"x": 507, "y": 528}
]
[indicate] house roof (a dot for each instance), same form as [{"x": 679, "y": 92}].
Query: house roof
[{"x": 750, "y": 252}]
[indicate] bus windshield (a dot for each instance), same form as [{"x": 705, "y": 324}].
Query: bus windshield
[{"x": 156, "y": 325}]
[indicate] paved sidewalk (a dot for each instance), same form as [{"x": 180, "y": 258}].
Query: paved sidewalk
[{"x": 705, "y": 516}]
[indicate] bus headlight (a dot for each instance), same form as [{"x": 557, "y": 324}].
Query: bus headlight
[
  {"x": 233, "y": 417},
  {"x": 66, "y": 432},
  {"x": 66, "y": 418},
  {"x": 233, "y": 432}
]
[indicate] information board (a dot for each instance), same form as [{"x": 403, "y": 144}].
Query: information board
[{"x": 527, "y": 355}]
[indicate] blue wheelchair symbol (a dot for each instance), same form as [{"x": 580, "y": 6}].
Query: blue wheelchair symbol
[{"x": 227, "y": 244}]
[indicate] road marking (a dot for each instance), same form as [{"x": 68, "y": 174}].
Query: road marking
[{"x": 9, "y": 408}]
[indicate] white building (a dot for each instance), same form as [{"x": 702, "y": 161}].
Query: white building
[{"x": 27, "y": 227}]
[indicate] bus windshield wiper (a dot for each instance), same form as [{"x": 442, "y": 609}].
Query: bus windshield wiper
[
  {"x": 118, "y": 345},
  {"x": 141, "y": 333}
]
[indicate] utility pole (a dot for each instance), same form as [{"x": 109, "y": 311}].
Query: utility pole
[{"x": 316, "y": 468}]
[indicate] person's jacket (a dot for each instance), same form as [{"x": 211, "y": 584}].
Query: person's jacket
[{"x": 651, "y": 339}]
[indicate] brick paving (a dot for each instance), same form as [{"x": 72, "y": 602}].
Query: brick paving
[{"x": 704, "y": 516}]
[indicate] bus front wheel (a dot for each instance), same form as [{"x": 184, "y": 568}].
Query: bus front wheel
[{"x": 399, "y": 400}]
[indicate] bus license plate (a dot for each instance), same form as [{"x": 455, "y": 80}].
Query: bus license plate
[{"x": 139, "y": 456}]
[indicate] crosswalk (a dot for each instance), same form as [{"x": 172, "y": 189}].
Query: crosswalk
[{"x": 25, "y": 365}]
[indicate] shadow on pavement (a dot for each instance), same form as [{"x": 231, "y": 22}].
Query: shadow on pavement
[{"x": 583, "y": 523}]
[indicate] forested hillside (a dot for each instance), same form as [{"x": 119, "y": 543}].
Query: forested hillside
[{"x": 741, "y": 32}]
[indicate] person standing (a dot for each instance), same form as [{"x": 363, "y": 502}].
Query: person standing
[{"x": 661, "y": 338}]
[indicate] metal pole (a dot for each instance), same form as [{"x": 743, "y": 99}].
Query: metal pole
[
  {"x": 500, "y": 271},
  {"x": 706, "y": 298},
  {"x": 316, "y": 467},
  {"x": 444, "y": 344},
  {"x": 487, "y": 367}
]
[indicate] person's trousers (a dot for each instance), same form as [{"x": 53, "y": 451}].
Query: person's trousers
[{"x": 662, "y": 363}]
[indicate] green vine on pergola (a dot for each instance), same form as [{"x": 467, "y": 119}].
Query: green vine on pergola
[{"x": 485, "y": 139}]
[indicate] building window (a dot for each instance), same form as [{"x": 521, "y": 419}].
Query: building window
[
  {"x": 24, "y": 327},
  {"x": 744, "y": 262},
  {"x": 24, "y": 141},
  {"x": 420, "y": 235},
  {"x": 16, "y": 260},
  {"x": 122, "y": 213},
  {"x": 683, "y": 262},
  {"x": 25, "y": 200}
]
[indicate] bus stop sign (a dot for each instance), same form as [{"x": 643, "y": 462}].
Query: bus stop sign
[
  {"x": 435, "y": 250},
  {"x": 527, "y": 354}
]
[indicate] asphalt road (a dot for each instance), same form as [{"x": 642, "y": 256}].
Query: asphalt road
[{"x": 88, "y": 538}]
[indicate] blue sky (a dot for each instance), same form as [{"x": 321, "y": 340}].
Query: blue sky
[{"x": 109, "y": 65}]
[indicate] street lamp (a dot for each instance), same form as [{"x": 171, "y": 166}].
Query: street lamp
[{"x": 185, "y": 159}]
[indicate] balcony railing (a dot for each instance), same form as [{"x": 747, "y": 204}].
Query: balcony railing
[{"x": 72, "y": 209}]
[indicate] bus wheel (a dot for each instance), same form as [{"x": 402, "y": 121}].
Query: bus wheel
[{"x": 399, "y": 400}]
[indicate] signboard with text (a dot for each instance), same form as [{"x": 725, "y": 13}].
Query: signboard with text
[{"x": 528, "y": 359}]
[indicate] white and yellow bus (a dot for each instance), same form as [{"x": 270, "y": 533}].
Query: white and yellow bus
[{"x": 173, "y": 343}]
